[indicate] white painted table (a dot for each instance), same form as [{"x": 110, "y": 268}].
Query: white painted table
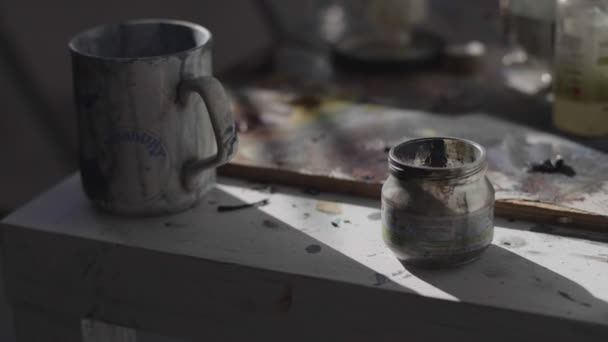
[{"x": 285, "y": 272}]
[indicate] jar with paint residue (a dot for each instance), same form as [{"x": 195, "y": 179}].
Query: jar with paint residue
[{"x": 437, "y": 204}]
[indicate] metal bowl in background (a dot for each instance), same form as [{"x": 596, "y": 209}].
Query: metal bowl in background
[{"x": 361, "y": 34}]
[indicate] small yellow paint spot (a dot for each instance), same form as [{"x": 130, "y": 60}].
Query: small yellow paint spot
[
  {"x": 427, "y": 132},
  {"x": 301, "y": 115},
  {"x": 329, "y": 207}
]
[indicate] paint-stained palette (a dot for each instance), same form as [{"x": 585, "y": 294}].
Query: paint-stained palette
[{"x": 342, "y": 146}]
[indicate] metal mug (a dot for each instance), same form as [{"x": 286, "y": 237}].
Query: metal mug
[{"x": 153, "y": 123}]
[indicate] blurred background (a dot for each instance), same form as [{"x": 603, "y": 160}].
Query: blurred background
[
  {"x": 37, "y": 125},
  {"x": 38, "y": 140}
]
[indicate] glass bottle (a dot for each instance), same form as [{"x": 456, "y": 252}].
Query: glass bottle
[
  {"x": 581, "y": 68},
  {"x": 437, "y": 204}
]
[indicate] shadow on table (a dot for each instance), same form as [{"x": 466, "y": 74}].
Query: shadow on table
[
  {"x": 245, "y": 236},
  {"x": 511, "y": 281}
]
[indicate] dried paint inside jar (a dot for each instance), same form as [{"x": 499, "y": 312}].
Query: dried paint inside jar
[{"x": 437, "y": 204}]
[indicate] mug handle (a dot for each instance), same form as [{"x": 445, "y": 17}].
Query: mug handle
[{"x": 224, "y": 127}]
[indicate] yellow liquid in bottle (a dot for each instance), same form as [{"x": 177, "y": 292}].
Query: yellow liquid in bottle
[
  {"x": 580, "y": 118},
  {"x": 581, "y": 68}
]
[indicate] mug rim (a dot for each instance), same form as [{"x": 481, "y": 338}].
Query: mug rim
[{"x": 183, "y": 23}]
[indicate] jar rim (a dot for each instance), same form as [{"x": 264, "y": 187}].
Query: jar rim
[{"x": 437, "y": 157}]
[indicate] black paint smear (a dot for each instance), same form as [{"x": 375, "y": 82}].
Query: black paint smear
[
  {"x": 556, "y": 165},
  {"x": 335, "y": 224},
  {"x": 565, "y": 295},
  {"x": 313, "y": 249},
  {"x": 225, "y": 208},
  {"x": 311, "y": 191}
]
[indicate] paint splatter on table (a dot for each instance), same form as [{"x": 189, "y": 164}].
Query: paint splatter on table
[{"x": 342, "y": 146}]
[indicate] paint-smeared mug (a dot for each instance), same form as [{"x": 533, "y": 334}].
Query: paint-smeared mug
[{"x": 153, "y": 123}]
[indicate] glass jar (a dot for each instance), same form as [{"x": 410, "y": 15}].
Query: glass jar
[{"x": 437, "y": 204}]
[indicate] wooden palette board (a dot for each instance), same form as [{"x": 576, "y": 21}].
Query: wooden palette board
[{"x": 341, "y": 146}]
